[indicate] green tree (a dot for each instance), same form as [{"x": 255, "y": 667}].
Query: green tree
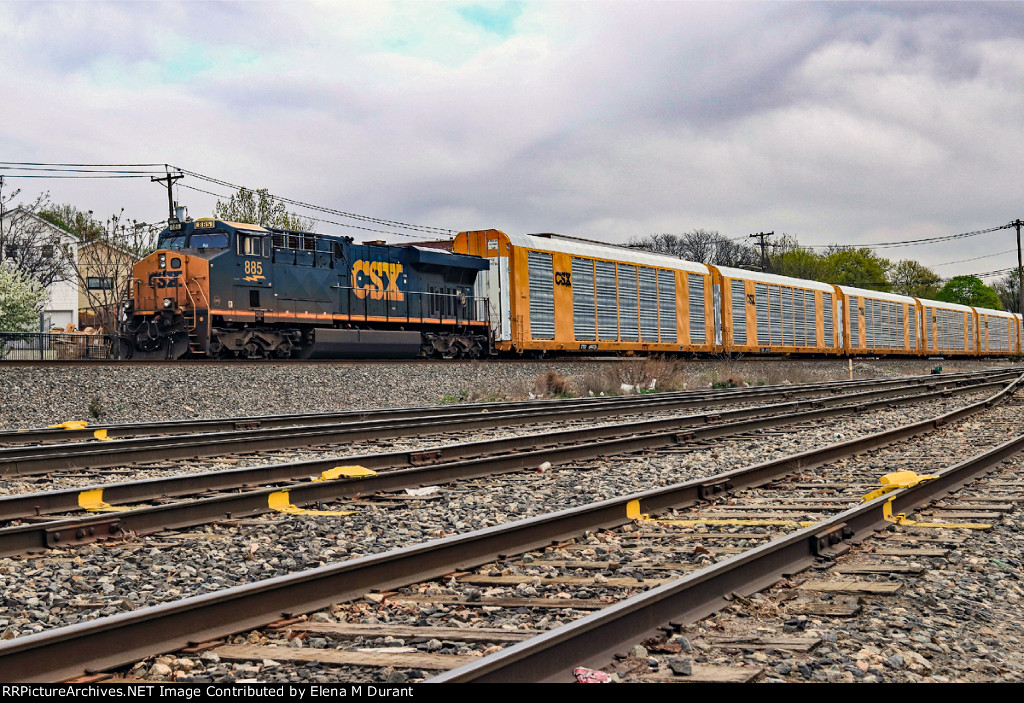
[
  {"x": 21, "y": 299},
  {"x": 788, "y": 258},
  {"x": 861, "y": 268},
  {"x": 70, "y": 218},
  {"x": 259, "y": 207},
  {"x": 969, "y": 290},
  {"x": 911, "y": 278}
]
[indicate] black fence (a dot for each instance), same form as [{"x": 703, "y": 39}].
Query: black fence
[{"x": 54, "y": 346}]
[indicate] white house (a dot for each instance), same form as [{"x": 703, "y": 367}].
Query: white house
[{"x": 41, "y": 249}]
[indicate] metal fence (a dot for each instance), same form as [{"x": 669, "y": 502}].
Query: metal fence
[{"x": 54, "y": 346}]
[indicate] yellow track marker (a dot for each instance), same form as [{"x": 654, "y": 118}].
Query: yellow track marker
[
  {"x": 93, "y": 502},
  {"x": 906, "y": 479},
  {"x": 282, "y": 503},
  {"x": 344, "y": 472},
  {"x": 897, "y": 479},
  {"x": 746, "y": 523},
  {"x": 633, "y": 513},
  {"x": 70, "y": 425},
  {"x": 102, "y": 436}
]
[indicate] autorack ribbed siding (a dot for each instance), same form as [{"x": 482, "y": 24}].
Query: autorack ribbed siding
[
  {"x": 551, "y": 293},
  {"x": 559, "y": 294}
]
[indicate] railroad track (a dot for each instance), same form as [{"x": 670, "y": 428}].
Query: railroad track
[
  {"x": 35, "y": 460},
  {"x": 216, "y": 495},
  {"x": 81, "y": 431},
  {"x": 103, "y": 644}
]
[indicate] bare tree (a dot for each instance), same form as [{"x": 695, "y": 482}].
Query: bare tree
[
  {"x": 1008, "y": 290},
  {"x": 103, "y": 266},
  {"x": 700, "y": 245},
  {"x": 30, "y": 244}
]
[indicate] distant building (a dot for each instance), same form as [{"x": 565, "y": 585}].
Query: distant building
[
  {"x": 34, "y": 246},
  {"x": 103, "y": 274}
]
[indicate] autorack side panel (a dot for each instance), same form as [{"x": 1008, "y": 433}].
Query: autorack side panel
[
  {"x": 997, "y": 332},
  {"x": 879, "y": 323},
  {"x": 763, "y": 312},
  {"x": 949, "y": 328},
  {"x": 562, "y": 284}
]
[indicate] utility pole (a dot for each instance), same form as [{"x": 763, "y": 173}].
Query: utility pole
[
  {"x": 1020, "y": 269},
  {"x": 764, "y": 252},
  {"x": 170, "y": 195}
]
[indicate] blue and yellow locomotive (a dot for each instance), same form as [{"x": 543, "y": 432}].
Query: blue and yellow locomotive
[{"x": 218, "y": 289}]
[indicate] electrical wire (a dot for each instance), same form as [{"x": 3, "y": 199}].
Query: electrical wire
[
  {"x": 316, "y": 219},
  {"x": 331, "y": 211},
  {"x": 39, "y": 169}
]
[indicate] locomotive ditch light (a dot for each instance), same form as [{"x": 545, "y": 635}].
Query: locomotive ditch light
[{"x": 168, "y": 303}]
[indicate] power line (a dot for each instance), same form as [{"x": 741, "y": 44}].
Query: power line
[
  {"x": 105, "y": 174},
  {"x": 71, "y": 170},
  {"x": 986, "y": 256},
  {"x": 913, "y": 242},
  {"x": 332, "y": 211},
  {"x": 316, "y": 219},
  {"x": 41, "y": 163},
  {"x": 39, "y": 169}
]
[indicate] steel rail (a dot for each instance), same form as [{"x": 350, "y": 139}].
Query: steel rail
[
  {"x": 26, "y": 461},
  {"x": 695, "y": 397},
  {"x": 122, "y": 639},
  {"x": 35, "y": 505},
  {"x": 593, "y": 640}
]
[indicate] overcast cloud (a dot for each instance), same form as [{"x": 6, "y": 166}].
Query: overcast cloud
[{"x": 851, "y": 123}]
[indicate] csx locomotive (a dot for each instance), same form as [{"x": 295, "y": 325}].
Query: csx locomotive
[{"x": 217, "y": 289}]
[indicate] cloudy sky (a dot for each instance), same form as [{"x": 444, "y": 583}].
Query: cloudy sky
[{"x": 850, "y": 123}]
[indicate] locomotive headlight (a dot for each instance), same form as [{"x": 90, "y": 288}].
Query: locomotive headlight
[
  {"x": 168, "y": 303},
  {"x": 162, "y": 261}
]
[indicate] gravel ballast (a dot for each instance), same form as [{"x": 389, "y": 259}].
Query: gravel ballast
[
  {"x": 45, "y": 394},
  {"x": 100, "y": 580}
]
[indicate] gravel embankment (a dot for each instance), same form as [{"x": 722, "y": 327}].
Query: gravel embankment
[{"x": 39, "y": 395}]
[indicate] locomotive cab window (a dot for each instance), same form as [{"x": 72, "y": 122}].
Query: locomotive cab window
[
  {"x": 177, "y": 242},
  {"x": 251, "y": 244},
  {"x": 210, "y": 240}
]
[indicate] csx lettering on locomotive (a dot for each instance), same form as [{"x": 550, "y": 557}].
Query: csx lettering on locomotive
[
  {"x": 379, "y": 279},
  {"x": 164, "y": 279}
]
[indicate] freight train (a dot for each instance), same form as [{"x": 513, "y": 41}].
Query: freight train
[{"x": 217, "y": 289}]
